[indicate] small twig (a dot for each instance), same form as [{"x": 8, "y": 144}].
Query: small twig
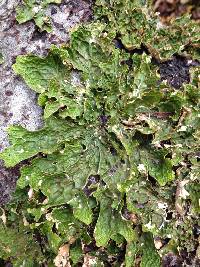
[
  {"x": 185, "y": 112},
  {"x": 158, "y": 115}
]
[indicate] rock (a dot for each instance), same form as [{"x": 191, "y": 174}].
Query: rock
[{"x": 18, "y": 103}]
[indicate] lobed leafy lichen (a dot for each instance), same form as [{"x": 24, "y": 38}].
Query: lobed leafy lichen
[
  {"x": 116, "y": 164},
  {"x": 34, "y": 9}
]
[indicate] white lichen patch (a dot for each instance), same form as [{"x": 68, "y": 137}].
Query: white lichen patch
[
  {"x": 30, "y": 193},
  {"x": 183, "y": 128},
  {"x": 162, "y": 205},
  {"x": 183, "y": 193},
  {"x": 36, "y": 9},
  {"x": 149, "y": 226},
  {"x": 40, "y": 183},
  {"x": 141, "y": 168}
]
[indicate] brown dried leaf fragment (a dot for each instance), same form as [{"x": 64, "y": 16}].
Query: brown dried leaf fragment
[
  {"x": 134, "y": 218},
  {"x": 158, "y": 243},
  {"x": 185, "y": 112},
  {"x": 181, "y": 193},
  {"x": 198, "y": 250},
  {"x": 89, "y": 261},
  {"x": 62, "y": 259}
]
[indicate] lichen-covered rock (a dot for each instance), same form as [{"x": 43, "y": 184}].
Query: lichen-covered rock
[
  {"x": 115, "y": 165},
  {"x": 18, "y": 104}
]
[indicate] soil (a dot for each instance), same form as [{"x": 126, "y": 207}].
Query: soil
[
  {"x": 175, "y": 8},
  {"x": 176, "y": 71},
  {"x": 172, "y": 260},
  {"x": 8, "y": 178},
  {"x": 18, "y": 104}
]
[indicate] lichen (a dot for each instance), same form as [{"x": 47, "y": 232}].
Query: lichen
[{"x": 110, "y": 165}]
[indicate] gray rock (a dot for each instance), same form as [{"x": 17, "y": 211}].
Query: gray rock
[{"x": 18, "y": 103}]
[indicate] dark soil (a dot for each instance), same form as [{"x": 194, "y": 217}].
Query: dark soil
[
  {"x": 175, "y": 71},
  {"x": 5, "y": 263},
  {"x": 8, "y": 178},
  {"x": 175, "y": 8},
  {"x": 172, "y": 260}
]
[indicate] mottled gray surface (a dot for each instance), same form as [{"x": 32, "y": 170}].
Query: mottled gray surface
[{"x": 18, "y": 104}]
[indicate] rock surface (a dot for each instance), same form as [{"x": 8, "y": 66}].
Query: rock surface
[{"x": 18, "y": 104}]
